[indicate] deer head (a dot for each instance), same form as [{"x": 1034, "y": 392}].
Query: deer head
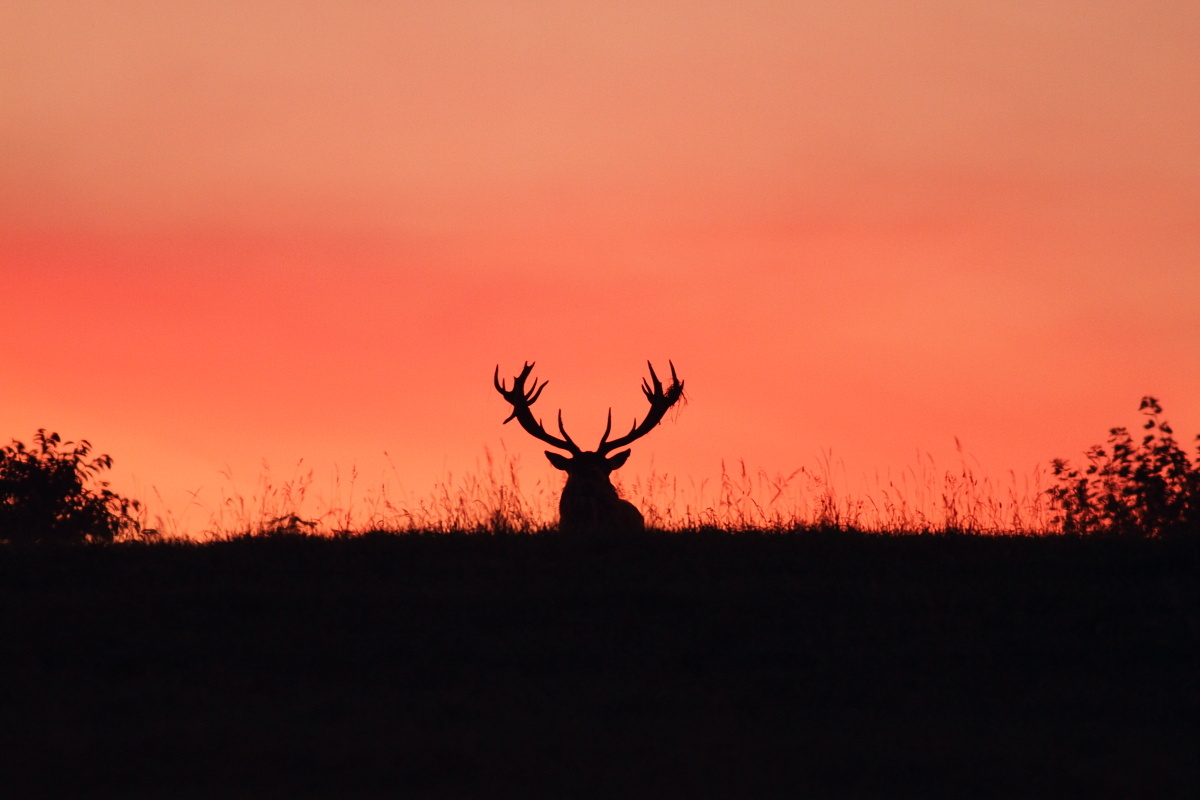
[{"x": 589, "y": 502}]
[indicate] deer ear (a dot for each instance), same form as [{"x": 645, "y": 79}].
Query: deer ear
[
  {"x": 615, "y": 462},
  {"x": 559, "y": 460}
]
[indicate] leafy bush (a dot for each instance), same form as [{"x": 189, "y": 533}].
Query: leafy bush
[
  {"x": 45, "y": 494},
  {"x": 1151, "y": 489}
]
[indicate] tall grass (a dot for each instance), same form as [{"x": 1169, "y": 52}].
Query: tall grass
[
  {"x": 500, "y": 496},
  {"x": 493, "y": 498},
  {"x": 920, "y": 499},
  {"x": 1151, "y": 488}
]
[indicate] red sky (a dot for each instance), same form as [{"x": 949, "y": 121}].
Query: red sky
[{"x": 236, "y": 231}]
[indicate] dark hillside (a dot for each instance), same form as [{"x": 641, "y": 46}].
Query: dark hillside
[{"x": 688, "y": 665}]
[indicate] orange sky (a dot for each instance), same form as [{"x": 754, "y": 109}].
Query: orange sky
[{"x": 238, "y": 231}]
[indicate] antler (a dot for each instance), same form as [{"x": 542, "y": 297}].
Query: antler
[
  {"x": 521, "y": 400},
  {"x": 660, "y": 401}
]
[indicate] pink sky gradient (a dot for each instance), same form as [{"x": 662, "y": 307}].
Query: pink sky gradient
[{"x": 233, "y": 231}]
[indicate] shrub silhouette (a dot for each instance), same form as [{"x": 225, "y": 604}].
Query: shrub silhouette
[
  {"x": 1146, "y": 490},
  {"x": 45, "y": 494}
]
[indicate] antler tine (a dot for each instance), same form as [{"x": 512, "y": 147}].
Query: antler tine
[
  {"x": 533, "y": 394},
  {"x": 660, "y": 401},
  {"x": 501, "y": 385},
  {"x": 521, "y": 399},
  {"x": 646, "y": 390},
  {"x": 607, "y": 431},
  {"x": 574, "y": 448},
  {"x": 527, "y": 397}
]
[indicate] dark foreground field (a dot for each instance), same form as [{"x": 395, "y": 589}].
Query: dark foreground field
[{"x": 683, "y": 665}]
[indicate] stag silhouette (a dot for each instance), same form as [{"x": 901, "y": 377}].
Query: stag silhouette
[{"x": 590, "y": 503}]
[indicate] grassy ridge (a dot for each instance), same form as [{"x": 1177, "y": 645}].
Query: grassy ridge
[{"x": 683, "y": 664}]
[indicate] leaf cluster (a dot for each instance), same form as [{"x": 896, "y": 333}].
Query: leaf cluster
[
  {"x": 50, "y": 492},
  {"x": 1150, "y": 489}
]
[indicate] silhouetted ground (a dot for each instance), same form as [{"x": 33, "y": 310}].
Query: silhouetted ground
[{"x": 678, "y": 665}]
